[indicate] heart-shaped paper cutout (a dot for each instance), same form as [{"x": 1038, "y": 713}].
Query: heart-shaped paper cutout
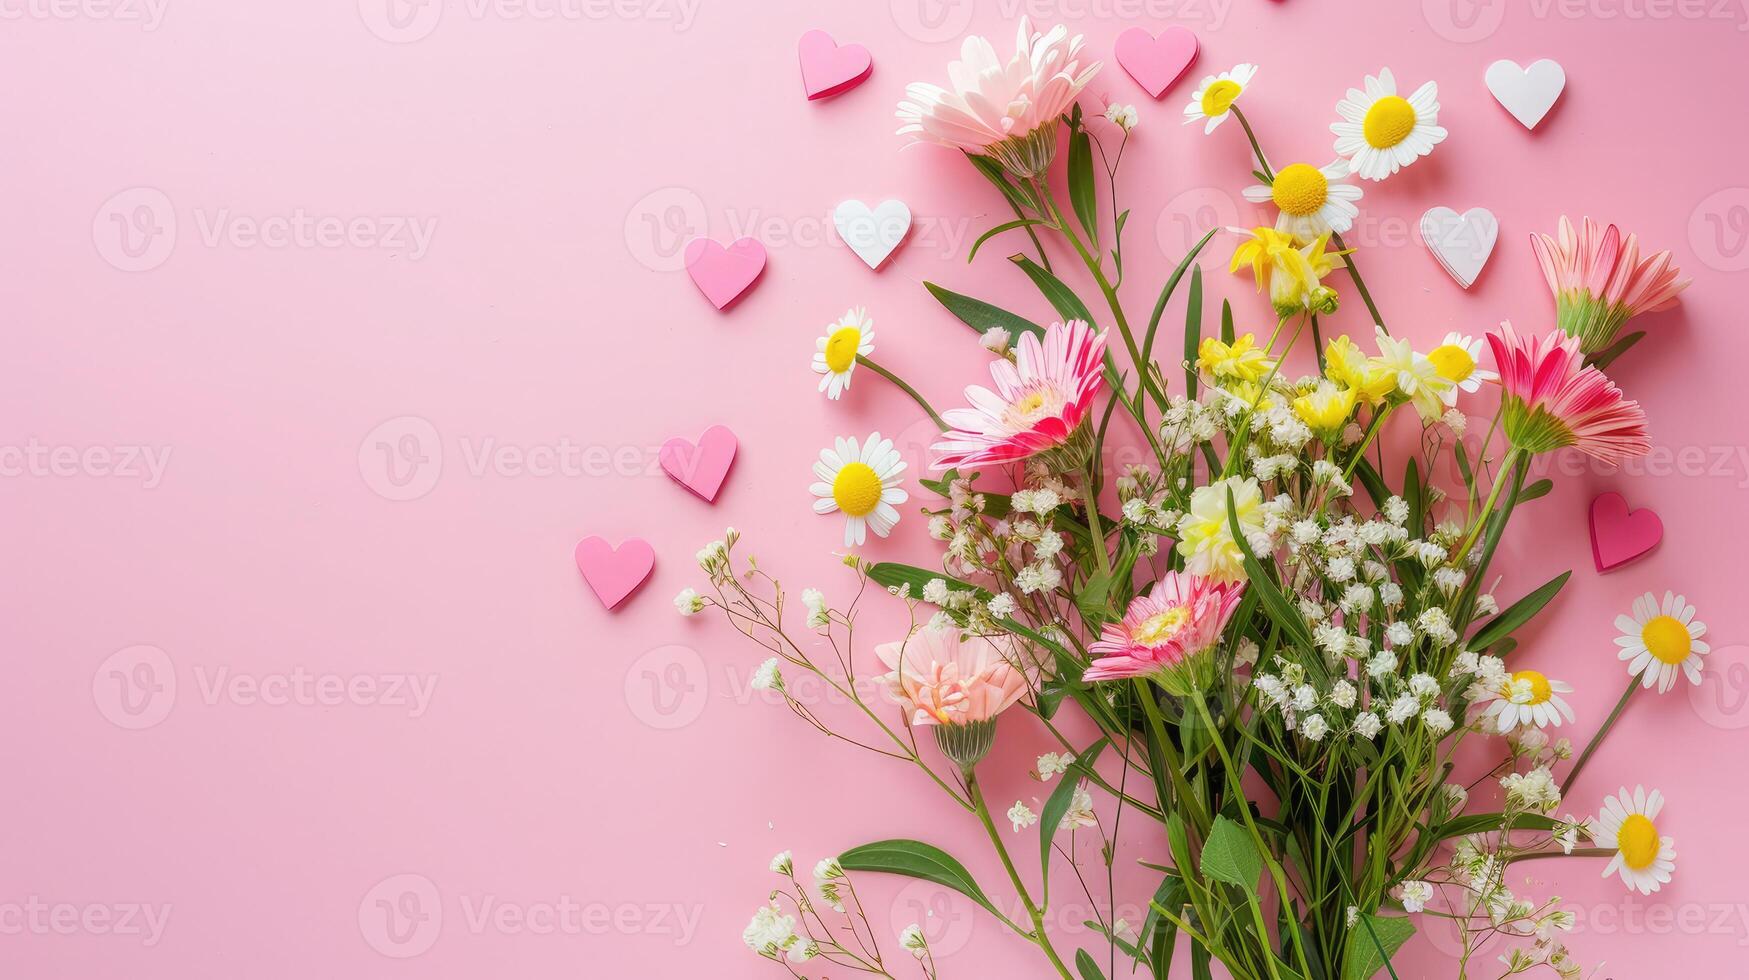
[
  {"x": 723, "y": 274},
  {"x": 872, "y": 233},
  {"x": 1156, "y": 62},
  {"x": 1461, "y": 242},
  {"x": 1619, "y": 535},
  {"x": 828, "y": 67},
  {"x": 614, "y": 573},
  {"x": 700, "y": 468},
  {"x": 1527, "y": 93}
]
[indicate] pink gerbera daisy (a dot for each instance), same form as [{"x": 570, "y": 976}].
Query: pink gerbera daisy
[
  {"x": 1040, "y": 402},
  {"x": 1552, "y": 399},
  {"x": 1600, "y": 281},
  {"x": 1183, "y": 616}
]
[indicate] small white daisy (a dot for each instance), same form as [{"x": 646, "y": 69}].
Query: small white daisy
[
  {"x": 1661, "y": 640},
  {"x": 862, "y": 481},
  {"x": 1215, "y": 95},
  {"x": 1381, "y": 132},
  {"x": 1528, "y": 698},
  {"x": 835, "y": 354},
  {"x": 1314, "y": 201},
  {"x": 1643, "y": 858},
  {"x": 1458, "y": 360},
  {"x": 1124, "y": 117}
]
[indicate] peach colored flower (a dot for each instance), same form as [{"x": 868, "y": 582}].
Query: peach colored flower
[
  {"x": 941, "y": 679},
  {"x": 1600, "y": 281}
]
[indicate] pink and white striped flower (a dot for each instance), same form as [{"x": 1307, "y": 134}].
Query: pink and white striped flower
[
  {"x": 1553, "y": 399},
  {"x": 1600, "y": 281},
  {"x": 1041, "y": 402},
  {"x": 1182, "y": 617}
]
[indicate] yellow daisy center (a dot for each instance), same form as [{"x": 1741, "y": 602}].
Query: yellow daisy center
[
  {"x": 1160, "y": 626},
  {"x": 841, "y": 349},
  {"x": 1667, "y": 639},
  {"x": 1452, "y": 362},
  {"x": 857, "y": 489},
  {"x": 1638, "y": 841},
  {"x": 1389, "y": 122},
  {"x": 1540, "y": 690},
  {"x": 1220, "y": 96},
  {"x": 1300, "y": 189}
]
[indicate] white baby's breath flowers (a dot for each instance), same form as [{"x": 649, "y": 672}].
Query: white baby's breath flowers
[
  {"x": 1437, "y": 721},
  {"x": 1399, "y": 634},
  {"x": 1080, "y": 812},
  {"x": 1342, "y": 694},
  {"x": 1382, "y": 665},
  {"x": 1001, "y": 606},
  {"x": 767, "y": 677},
  {"x": 1534, "y": 790},
  {"x": 689, "y": 602},
  {"x": 818, "y": 616},
  {"x": 935, "y": 591},
  {"x": 912, "y": 939},
  {"x": 783, "y": 863},
  {"x": 996, "y": 340},
  {"x": 1314, "y": 728},
  {"x": 1368, "y": 725},
  {"x": 1415, "y": 895},
  {"x": 1052, "y": 763},
  {"x": 1021, "y": 816},
  {"x": 1423, "y": 686},
  {"x": 1124, "y": 117},
  {"x": 1402, "y": 709}
]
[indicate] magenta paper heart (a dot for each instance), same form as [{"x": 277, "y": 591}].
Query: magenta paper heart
[
  {"x": 700, "y": 468},
  {"x": 723, "y": 274},
  {"x": 1619, "y": 535},
  {"x": 614, "y": 573},
  {"x": 828, "y": 67},
  {"x": 1156, "y": 62}
]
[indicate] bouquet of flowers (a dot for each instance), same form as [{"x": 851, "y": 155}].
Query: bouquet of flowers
[{"x": 1281, "y": 634}]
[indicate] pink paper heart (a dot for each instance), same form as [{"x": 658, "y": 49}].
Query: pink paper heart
[
  {"x": 723, "y": 274},
  {"x": 1619, "y": 535},
  {"x": 828, "y": 67},
  {"x": 614, "y": 573},
  {"x": 702, "y": 467},
  {"x": 1156, "y": 62}
]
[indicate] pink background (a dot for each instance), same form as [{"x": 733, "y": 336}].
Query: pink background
[{"x": 618, "y": 763}]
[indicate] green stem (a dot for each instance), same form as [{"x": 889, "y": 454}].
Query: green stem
[
  {"x": 1372, "y": 430},
  {"x": 1089, "y": 491},
  {"x": 1506, "y": 467},
  {"x": 1039, "y": 936},
  {"x": 907, "y": 389},
  {"x": 1596, "y": 740}
]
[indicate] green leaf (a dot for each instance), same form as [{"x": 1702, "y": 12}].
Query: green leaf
[
  {"x": 1484, "y": 823},
  {"x": 994, "y": 173},
  {"x": 1230, "y": 856},
  {"x": 999, "y": 229},
  {"x": 1061, "y": 297},
  {"x": 1084, "y": 960},
  {"x": 1226, "y": 322},
  {"x": 1374, "y": 931},
  {"x": 1540, "y": 488},
  {"x": 1604, "y": 358},
  {"x": 1058, "y": 804},
  {"x": 1091, "y": 601},
  {"x": 1283, "y": 612},
  {"x": 1082, "y": 195},
  {"x": 915, "y": 859},
  {"x": 1192, "y": 332},
  {"x": 1517, "y": 614},
  {"x": 979, "y": 315}
]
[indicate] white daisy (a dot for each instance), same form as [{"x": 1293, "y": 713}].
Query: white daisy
[
  {"x": 835, "y": 353},
  {"x": 1381, "y": 132},
  {"x": 862, "y": 481},
  {"x": 1661, "y": 640},
  {"x": 1626, "y": 823},
  {"x": 1458, "y": 360},
  {"x": 1215, "y": 95},
  {"x": 1527, "y": 698},
  {"x": 1313, "y": 200}
]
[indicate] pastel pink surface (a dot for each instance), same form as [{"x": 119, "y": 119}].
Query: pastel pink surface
[
  {"x": 614, "y": 573},
  {"x": 1620, "y": 535},
  {"x": 621, "y": 760},
  {"x": 700, "y": 467},
  {"x": 828, "y": 67},
  {"x": 723, "y": 274},
  {"x": 1156, "y": 62}
]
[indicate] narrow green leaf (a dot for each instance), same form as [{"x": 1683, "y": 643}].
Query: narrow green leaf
[
  {"x": 1517, "y": 614},
  {"x": 1226, "y": 322},
  {"x": 915, "y": 859},
  {"x": 1230, "y": 856},
  {"x": 1083, "y": 196},
  {"x": 1281, "y": 611},
  {"x": 999, "y": 229},
  {"x": 1089, "y": 969},
  {"x": 1061, "y": 297},
  {"x": 1058, "y": 804},
  {"x": 1604, "y": 358},
  {"x": 1192, "y": 332},
  {"x": 981, "y": 316},
  {"x": 1538, "y": 489}
]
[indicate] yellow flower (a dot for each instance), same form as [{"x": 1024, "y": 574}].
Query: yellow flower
[
  {"x": 1326, "y": 408},
  {"x": 1262, "y": 250},
  {"x": 1205, "y": 538},
  {"x": 1242, "y": 360},
  {"x": 1296, "y": 281},
  {"x": 1344, "y": 364}
]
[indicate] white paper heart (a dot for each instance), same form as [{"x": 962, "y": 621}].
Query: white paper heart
[
  {"x": 1527, "y": 93},
  {"x": 874, "y": 233},
  {"x": 1461, "y": 243}
]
